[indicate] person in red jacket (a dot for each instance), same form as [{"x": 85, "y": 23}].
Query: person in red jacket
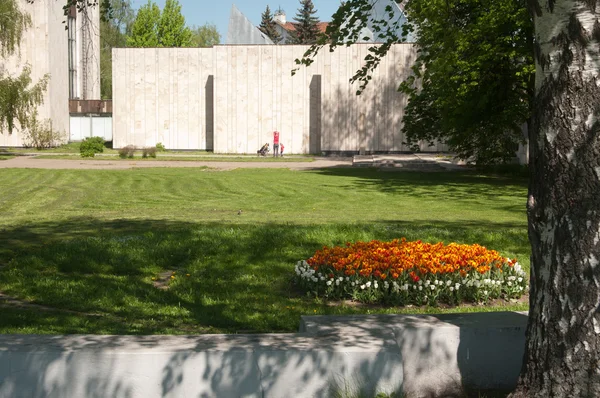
[
  {"x": 275, "y": 144},
  {"x": 281, "y": 148}
]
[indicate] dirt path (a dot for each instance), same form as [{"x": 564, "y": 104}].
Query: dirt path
[{"x": 29, "y": 162}]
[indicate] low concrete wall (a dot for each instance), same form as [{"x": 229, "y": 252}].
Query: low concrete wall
[
  {"x": 420, "y": 355},
  {"x": 441, "y": 354}
]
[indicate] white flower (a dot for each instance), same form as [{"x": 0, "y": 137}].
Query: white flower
[
  {"x": 456, "y": 286},
  {"x": 487, "y": 281},
  {"x": 451, "y": 288},
  {"x": 437, "y": 282},
  {"x": 420, "y": 288},
  {"x": 328, "y": 283},
  {"x": 337, "y": 283},
  {"x": 375, "y": 285},
  {"x": 368, "y": 284},
  {"x": 448, "y": 283},
  {"x": 319, "y": 275},
  {"x": 322, "y": 278},
  {"x": 520, "y": 280},
  {"x": 477, "y": 283},
  {"x": 509, "y": 283},
  {"x": 427, "y": 283},
  {"x": 362, "y": 287},
  {"x": 405, "y": 287},
  {"x": 432, "y": 287},
  {"x": 386, "y": 285},
  {"x": 314, "y": 279},
  {"x": 347, "y": 279},
  {"x": 414, "y": 287},
  {"x": 420, "y": 283},
  {"x": 485, "y": 292},
  {"x": 517, "y": 267}
]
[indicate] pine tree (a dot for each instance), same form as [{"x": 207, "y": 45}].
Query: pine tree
[
  {"x": 268, "y": 26},
  {"x": 307, "y": 30}
]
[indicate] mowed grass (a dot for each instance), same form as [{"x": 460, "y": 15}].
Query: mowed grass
[
  {"x": 184, "y": 157},
  {"x": 85, "y": 245}
]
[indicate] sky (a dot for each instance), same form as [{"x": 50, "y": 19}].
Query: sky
[{"x": 199, "y": 12}]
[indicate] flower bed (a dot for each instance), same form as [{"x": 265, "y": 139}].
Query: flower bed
[{"x": 401, "y": 272}]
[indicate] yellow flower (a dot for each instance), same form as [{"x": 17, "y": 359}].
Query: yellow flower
[
  {"x": 187, "y": 274},
  {"x": 172, "y": 276}
]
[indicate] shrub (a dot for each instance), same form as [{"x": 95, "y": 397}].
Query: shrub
[
  {"x": 127, "y": 152},
  {"x": 151, "y": 151},
  {"x": 40, "y": 135},
  {"x": 160, "y": 147},
  {"x": 91, "y": 146},
  {"x": 401, "y": 272}
]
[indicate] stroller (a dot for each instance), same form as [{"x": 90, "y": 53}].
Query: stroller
[{"x": 264, "y": 150}]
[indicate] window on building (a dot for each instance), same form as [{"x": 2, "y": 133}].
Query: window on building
[{"x": 72, "y": 58}]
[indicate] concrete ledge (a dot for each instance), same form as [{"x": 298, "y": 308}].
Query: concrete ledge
[
  {"x": 420, "y": 355},
  {"x": 441, "y": 354},
  {"x": 278, "y": 365}
]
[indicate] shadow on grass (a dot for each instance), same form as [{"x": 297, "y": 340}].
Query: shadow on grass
[
  {"x": 450, "y": 185},
  {"x": 225, "y": 277}
]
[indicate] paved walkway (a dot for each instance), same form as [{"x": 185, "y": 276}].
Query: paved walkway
[
  {"x": 30, "y": 162},
  {"x": 420, "y": 162}
]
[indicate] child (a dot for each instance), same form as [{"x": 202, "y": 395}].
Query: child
[{"x": 281, "y": 148}]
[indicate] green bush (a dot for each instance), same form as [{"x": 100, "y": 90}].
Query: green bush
[
  {"x": 149, "y": 152},
  {"x": 160, "y": 147},
  {"x": 40, "y": 134},
  {"x": 127, "y": 152},
  {"x": 88, "y": 154},
  {"x": 91, "y": 146}
]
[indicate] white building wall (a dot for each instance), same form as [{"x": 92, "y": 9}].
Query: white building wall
[
  {"x": 44, "y": 47},
  {"x": 163, "y": 95}
]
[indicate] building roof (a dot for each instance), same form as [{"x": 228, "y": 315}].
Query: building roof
[{"x": 291, "y": 26}]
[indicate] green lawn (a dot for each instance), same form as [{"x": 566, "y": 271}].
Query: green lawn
[
  {"x": 6, "y": 157},
  {"x": 86, "y": 244},
  {"x": 184, "y": 157}
]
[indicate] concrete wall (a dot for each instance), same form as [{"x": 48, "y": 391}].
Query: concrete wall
[
  {"x": 45, "y": 48},
  {"x": 418, "y": 355},
  {"x": 163, "y": 95},
  {"x": 166, "y": 95}
]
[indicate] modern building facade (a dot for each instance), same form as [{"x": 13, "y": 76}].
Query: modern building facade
[{"x": 71, "y": 57}]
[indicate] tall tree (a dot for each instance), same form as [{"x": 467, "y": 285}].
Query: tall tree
[
  {"x": 268, "y": 26},
  {"x": 114, "y": 29},
  {"x": 144, "y": 31},
  {"x": 306, "y": 24},
  {"x": 563, "y": 335},
  {"x": 19, "y": 96},
  {"x": 562, "y": 357},
  {"x": 206, "y": 35},
  {"x": 172, "y": 30}
]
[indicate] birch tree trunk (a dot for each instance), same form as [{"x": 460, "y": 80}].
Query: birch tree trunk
[{"x": 562, "y": 356}]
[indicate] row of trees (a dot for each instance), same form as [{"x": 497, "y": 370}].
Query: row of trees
[
  {"x": 306, "y": 29},
  {"x": 121, "y": 26}
]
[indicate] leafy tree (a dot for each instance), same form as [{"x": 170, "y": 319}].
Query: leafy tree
[
  {"x": 172, "y": 31},
  {"x": 19, "y": 96},
  {"x": 268, "y": 26},
  {"x": 472, "y": 85},
  {"x": 562, "y": 341},
  {"x": 114, "y": 30},
  {"x": 473, "y": 80},
  {"x": 144, "y": 31},
  {"x": 153, "y": 28},
  {"x": 206, "y": 35},
  {"x": 307, "y": 31}
]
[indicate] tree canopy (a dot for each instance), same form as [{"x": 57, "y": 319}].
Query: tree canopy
[
  {"x": 472, "y": 83},
  {"x": 114, "y": 29},
  {"x": 153, "y": 28},
  {"x": 206, "y": 35}
]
